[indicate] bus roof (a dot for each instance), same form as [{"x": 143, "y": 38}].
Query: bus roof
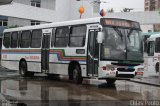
[
  {"x": 150, "y": 33},
  {"x": 56, "y": 24},
  {"x": 153, "y": 37},
  {"x": 59, "y": 24}
]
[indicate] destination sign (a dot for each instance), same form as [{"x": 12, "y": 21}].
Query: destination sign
[{"x": 120, "y": 23}]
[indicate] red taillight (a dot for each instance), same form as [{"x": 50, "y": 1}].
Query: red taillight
[{"x": 104, "y": 68}]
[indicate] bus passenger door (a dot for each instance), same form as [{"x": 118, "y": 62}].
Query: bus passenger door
[
  {"x": 45, "y": 50},
  {"x": 93, "y": 53},
  {"x": 150, "y": 60}
]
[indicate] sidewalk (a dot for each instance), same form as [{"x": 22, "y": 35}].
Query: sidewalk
[{"x": 151, "y": 80}]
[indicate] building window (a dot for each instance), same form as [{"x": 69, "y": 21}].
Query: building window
[
  {"x": 3, "y": 22},
  {"x": 34, "y": 22},
  {"x": 36, "y": 3}
]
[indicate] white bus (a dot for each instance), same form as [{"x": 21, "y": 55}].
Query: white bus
[
  {"x": 103, "y": 48},
  {"x": 152, "y": 54}
]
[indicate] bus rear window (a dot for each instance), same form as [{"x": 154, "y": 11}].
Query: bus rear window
[{"x": 6, "y": 40}]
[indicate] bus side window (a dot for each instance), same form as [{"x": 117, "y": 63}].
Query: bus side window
[
  {"x": 53, "y": 37},
  {"x": 150, "y": 49},
  {"x": 157, "y": 45},
  {"x": 77, "y": 36},
  {"x": 25, "y": 39},
  {"x": 14, "y": 40},
  {"x": 6, "y": 40},
  {"x": 19, "y": 38},
  {"x": 96, "y": 46},
  {"x": 62, "y": 37},
  {"x": 36, "y": 38}
]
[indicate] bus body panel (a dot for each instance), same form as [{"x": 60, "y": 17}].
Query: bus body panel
[
  {"x": 111, "y": 71},
  {"x": 61, "y": 57},
  {"x": 150, "y": 61}
]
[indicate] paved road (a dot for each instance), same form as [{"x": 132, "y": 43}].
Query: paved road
[{"x": 40, "y": 91}]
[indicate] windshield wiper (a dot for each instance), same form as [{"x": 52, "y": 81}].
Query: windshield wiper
[
  {"x": 129, "y": 33},
  {"x": 118, "y": 32}
]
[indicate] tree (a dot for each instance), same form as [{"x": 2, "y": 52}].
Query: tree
[
  {"x": 110, "y": 10},
  {"x": 127, "y": 9},
  {"x": 14, "y": 26}
]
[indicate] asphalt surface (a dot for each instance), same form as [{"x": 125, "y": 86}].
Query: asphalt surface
[{"x": 42, "y": 91}]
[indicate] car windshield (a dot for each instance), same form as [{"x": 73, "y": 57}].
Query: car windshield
[{"x": 121, "y": 44}]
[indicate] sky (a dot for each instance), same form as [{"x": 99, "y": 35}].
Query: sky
[{"x": 118, "y": 5}]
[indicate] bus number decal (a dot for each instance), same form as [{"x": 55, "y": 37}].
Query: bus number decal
[{"x": 34, "y": 57}]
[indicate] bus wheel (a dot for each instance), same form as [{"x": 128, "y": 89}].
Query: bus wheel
[
  {"x": 23, "y": 69},
  {"x": 77, "y": 78},
  {"x": 110, "y": 81},
  {"x": 157, "y": 67}
]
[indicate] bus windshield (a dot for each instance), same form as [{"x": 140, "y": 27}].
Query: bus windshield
[{"x": 121, "y": 44}]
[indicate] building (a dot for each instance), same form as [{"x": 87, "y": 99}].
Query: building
[
  {"x": 3, "y": 2},
  {"x": 152, "y": 5}
]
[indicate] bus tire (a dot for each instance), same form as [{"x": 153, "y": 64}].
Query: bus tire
[
  {"x": 77, "y": 78},
  {"x": 23, "y": 69},
  {"x": 157, "y": 67},
  {"x": 110, "y": 81}
]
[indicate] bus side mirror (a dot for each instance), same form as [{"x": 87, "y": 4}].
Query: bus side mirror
[{"x": 100, "y": 37}]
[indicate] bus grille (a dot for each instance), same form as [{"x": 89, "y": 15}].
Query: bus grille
[
  {"x": 125, "y": 76},
  {"x": 125, "y": 70}
]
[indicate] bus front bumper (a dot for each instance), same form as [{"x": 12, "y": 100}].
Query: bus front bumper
[{"x": 119, "y": 76}]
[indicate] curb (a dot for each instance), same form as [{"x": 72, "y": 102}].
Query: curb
[{"x": 143, "y": 82}]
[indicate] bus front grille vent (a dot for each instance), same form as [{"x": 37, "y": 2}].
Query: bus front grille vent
[{"x": 125, "y": 70}]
